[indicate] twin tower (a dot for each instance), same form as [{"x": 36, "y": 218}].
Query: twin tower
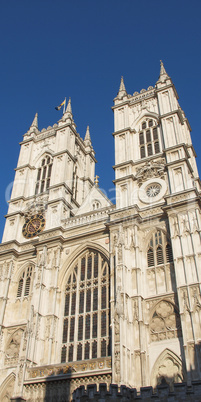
[{"x": 93, "y": 292}]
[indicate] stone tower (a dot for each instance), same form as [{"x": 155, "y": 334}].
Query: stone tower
[
  {"x": 95, "y": 293},
  {"x": 155, "y": 240},
  {"x": 54, "y": 174}
]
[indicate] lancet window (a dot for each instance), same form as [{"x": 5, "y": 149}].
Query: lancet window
[
  {"x": 44, "y": 175},
  {"x": 86, "y": 309},
  {"x": 160, "y": 267},
  {"x": 24, "y": 284},
  {"x": 149, "y": 139}
]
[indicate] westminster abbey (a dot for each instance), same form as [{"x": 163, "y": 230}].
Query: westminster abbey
[{"x": 93, "y": 292}]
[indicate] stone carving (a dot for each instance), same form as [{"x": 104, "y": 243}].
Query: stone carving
[
  {"x": 117, "y": 362},
  {"x": 136, "y": 314},
  {"x": 196, "y": 304},
  {"x": 39, "y": 205},
  {"x": 165, "y": 322},
  {"x": 168, "y": 368},
  {"x": 175, "y": 227},
  {"x": 185, "y": 224},
  {"x": 149, "y": 170},
  {"x": 13, "y": 347},
  {"x": 185, "y": 302},
  {"x": 194, "y": 223},
  {"x": 116, "y": 328}
]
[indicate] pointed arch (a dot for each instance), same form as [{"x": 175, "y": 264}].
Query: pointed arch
[
  {"x": 160, "y": 265},
  {"x": 164, "y": 321},
  {"x": 44, "y": 173},
  {"x": 42, "y": 155},
  {"x": 24, "y": 279},
  {"x": 65, "y": 269},
  {"x": 149, "y": 134},
  {"x": 168, "y": 367},
  {"x": 145, "y": 115},
  {"x": 86, "y": 306},
  {"x": 13, "y": 344},
  {"x": 18, "y": 272},
  {"x": 7, "y": 388}
]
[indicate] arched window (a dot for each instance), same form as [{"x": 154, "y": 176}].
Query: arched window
[
  {"x": 24, "y": 284},
  {"x": 148, "y": 139},
  {"x": 86, "y": 309},
  {"x": 43, "y": 175},
  {"x": 96, "y": 204},
  {"x": 160, "y": 265}
]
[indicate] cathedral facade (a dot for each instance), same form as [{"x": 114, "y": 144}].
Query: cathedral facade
[{"x": 93, "y": 292}]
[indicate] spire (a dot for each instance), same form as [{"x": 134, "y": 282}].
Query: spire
[
  {"x": 122, "y": 90},
  {"x": 35, "y": 121},
  {"x": 87, "y": 135},
  {"x": 68, "y": 115},
  {"x": 163, "y": 73},
  {"x": 34, "y": 126},
  {"x": 69, "y": 108},
  {"x": 87, "y": 138}
]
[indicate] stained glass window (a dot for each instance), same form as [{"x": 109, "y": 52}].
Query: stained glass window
[{"x": 86, "y": 330}]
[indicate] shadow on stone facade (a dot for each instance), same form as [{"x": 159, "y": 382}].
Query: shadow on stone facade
[
  {"x": 180, "y": 392},
  {"x": 58, "y": 391}
]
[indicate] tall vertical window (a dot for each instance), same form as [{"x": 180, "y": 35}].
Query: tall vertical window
[
  {"x": 43, "y": 175},
  {"x": 160, "y": 265},
  {"x": 24, "y": 284},
  {"x": 148, "y": 139},
  {"x": 86, "y": 309}
]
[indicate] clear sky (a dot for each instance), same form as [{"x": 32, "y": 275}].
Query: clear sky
[{"x": 52, "y": 49}]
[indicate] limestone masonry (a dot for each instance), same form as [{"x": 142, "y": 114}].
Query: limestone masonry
[{"x": 92, "y": 292}]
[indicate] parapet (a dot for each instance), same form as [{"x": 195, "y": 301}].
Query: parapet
[{"x": 180, "y": 392}]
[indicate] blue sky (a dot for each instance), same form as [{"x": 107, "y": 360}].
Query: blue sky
[{"x": 55, "y": 49}]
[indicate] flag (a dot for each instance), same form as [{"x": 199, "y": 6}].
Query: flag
[{"x": 60, "y": 106}]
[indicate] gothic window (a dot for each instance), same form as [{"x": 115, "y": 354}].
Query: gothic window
[
  {"x": 86, "y": 309},
  {"x": 148, "y": 139},
  {"x": 24, "y": 284},
  {"x": 160, "y": 271},
  {"x": 165, "y": 322},
  {"x": 44, "y": 175}
]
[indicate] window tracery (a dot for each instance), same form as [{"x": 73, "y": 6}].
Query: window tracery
[
  {"x": 165, "y": 322},
  {"x": 44, "y": 175},
  {"x": 160, "y": 267},
  {"x": 149, "y": 139},
  {"x": 86, "y": 309},
  {"x": 24, "y": 284}
]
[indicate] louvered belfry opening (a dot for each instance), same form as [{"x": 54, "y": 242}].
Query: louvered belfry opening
[
  {"x": 44, "y": 175},
  {"x": 86, "y": 309},
  {"x": 24, "y": 283},
  {"x": 160, "y": 266},
  {"x": 160, "y": 250}
]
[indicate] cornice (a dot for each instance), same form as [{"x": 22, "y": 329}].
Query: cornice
[
  {"x": 122, "y": 131},
  {"x": 128, "y": 177}
]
